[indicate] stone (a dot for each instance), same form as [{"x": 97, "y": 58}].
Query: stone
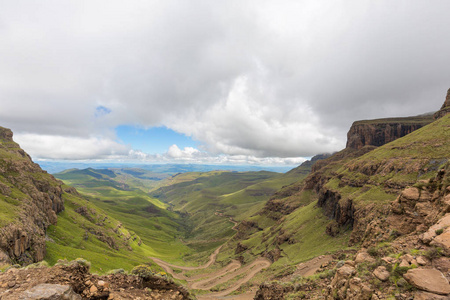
[
  {"x": 342, "y": 274},
  {"x": 410, "y": 194},
  {"x": 422, "y": 260},
  {"x": 381, "y": 273},
  {"x": 49, "y": 292},
  {"x": 103, "y": 284},
  {"x": 350, "y": 263},
  {"x": 430, "y": 280},
  {"x": 4, "y": 258},
  {"x": 442, "y": 240},
  {"x": 363, "y": 256},
  {"x": 408, "y": 258},
  {"x": 404, "y": 263},
  {"x": 93, "y": 289},
  {"x": 443, "y": 223},
  {"x": 421, "y": 295},
  {"x": 388, "y": 260}
]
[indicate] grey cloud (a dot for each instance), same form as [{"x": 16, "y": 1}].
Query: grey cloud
[{"x": 312, "y": 68}]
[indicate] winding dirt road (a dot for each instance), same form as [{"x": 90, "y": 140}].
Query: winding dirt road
[{"x": 210, "y": 280}]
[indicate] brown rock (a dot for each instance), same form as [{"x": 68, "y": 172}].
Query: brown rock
[
  {"x": 404, "y": 263},
  {"x": 443, "y": 240},
  {"x": 381, "y": 273},
  {"x": 50, "y": 292},
  {"x": 408, "y": 257},
  {"x": 420, "y": 295},
  {"x": 388, "y": 260},
  {"x": 430, "y": 280},
  {"x": 422, "y": 260},
  {"x": 363, "y": 256},
  {"x": 443, "y": 223},
  {"x": 350, "y": 263},
  {"x": 410, "y": 194},
  {"x": 93, "y": 289}
]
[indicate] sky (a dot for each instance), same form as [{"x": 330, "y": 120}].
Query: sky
[{"x": 216, "y": 82}]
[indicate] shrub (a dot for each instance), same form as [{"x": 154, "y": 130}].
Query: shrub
[
  {"x": 142, "y": 271},
  {"x": 116, "y": 271},
  {"x": 373, "y": 251},
  {"x": 82, "y": 262},
  {"x": 433, "y": 253},
  {"x": 439, "y": 231}
]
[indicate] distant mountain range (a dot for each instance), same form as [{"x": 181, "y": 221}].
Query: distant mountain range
[{"x": 57, "y": 166}]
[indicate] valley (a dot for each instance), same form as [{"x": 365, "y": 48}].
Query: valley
[{"x": 366, "y": 222}]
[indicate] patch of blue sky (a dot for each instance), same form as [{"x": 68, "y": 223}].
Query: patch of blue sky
[
  {"x": 153, "y": 140},
  {"x": 102, "y": 111}
]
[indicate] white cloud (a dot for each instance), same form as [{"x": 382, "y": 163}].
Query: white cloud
[
  {"x": 62, "y": 147},
  {"x": 185, "y": 154}
]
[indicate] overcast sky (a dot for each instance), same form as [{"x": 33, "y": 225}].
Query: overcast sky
[{"x": 264, "y": 82}]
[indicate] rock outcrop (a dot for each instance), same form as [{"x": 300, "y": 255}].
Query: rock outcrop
[
  {"x": 382, "y": 131},
  {"x": 445, "y": 109},
  {"x": 72, "y": 280},
  {"x": 30, "y": 198}
]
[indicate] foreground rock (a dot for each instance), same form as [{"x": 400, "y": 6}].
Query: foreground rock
[
  {"x": 72, "y": 281},
  {"x": 430, "y": 280},
  {"x": 50, "y": 292}
]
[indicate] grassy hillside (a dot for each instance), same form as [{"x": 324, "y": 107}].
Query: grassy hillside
[
  {"x": 85, "y": 230},
  {"x": 121, "y": 193},
  {"x": 189, "y": 215},
  {"x": 316, "y": 215}
]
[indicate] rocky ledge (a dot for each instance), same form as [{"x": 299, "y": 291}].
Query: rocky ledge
[
  {"x": 382, "y": 131},
  {"x": 72, "y": 281},
  {"x": 35, "y": 197},
  {"x": 445, "y": 109}
]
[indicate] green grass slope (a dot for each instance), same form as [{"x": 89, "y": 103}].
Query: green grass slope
[
  {"x": 122, "y": 194},
  {"x": 293, "y": 227}
]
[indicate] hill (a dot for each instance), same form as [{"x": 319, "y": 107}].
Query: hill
[
  {"x": 42, "y": 218},
  {"x": 385, "y": 208}
]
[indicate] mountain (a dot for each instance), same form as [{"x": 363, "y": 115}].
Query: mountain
[
  {"x": 381, "y": 212},
  {"x": 382, "y": 131}
]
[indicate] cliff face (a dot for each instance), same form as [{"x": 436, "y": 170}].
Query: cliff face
[
  {"x": 445, "y": 109},
  {"x": 382, "y": 131},
  {"x": 30, "y": 198}
]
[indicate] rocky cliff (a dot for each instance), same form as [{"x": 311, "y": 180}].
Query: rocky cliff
[
  {"x": 391, "y": 201},
  {"x": 445, "y": 109},
  {"x": 30, "y": 198},
  {"x": 382, "y": 131}
]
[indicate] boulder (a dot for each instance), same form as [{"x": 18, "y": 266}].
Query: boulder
[
  {"x": 388, "y": 260},
  {"x": 443, "y": 240},
  {"x": 430, "y": 280},
  {"x": 422, "y": 260},
  {"x": 443, "y": 223},
  {"x": 421, "y": 295},
  {"x": 359, "y": 290},
  {"x": 50, "y": 292},
  {"x": 342, "y": 274},
  {"x": 363, "y": 256},
  {"x": 381, "y": 273}
]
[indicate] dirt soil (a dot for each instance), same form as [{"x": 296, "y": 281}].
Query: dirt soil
[{"x": 208, "y": 280}]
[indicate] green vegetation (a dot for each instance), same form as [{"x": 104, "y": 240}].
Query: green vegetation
[{"x": 187, "y": 217}]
